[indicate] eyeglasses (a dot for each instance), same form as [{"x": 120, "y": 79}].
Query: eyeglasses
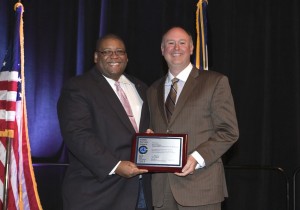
[{"x": 110, "y": 52}]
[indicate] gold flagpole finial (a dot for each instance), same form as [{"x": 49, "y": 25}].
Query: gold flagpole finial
[{"x": 18, "y": 4}]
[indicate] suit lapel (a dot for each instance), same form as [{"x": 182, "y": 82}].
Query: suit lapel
[{"x": 161, "y": 99}]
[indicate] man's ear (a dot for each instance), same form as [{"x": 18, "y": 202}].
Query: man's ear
[
  {"x": 95, "y": 57},
  {"x": 191, "y": 49}
]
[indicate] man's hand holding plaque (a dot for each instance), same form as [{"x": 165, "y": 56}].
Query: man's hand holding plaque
[{"x": 128, "y": 169}]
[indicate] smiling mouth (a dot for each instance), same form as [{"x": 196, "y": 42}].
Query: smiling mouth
[
  {"x": 114, "y": 63},
  {"x": 176, "y": 54}
]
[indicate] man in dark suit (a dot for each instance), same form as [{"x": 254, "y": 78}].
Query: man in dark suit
[
  {"x": 204, "y": 109},
  {"x": 98, "y": 132}
]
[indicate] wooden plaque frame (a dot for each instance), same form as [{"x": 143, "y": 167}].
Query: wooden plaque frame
[{"x": 158, "y": 152}]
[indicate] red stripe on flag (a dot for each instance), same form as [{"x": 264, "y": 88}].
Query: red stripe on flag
[
  {"x": 9, "y": 85},
  {"x": 4, "y": 125},
  {"x": 12, "y": 205},
  {"x": 8, "y": 105}
]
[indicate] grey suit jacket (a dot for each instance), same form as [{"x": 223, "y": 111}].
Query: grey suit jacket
[
  {"x": 205, "y": 111},
  {"x": 98, "y": 133}
]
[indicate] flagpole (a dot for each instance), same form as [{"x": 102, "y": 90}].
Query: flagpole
[
  {"x": 201, "y": 29},
  {"x": 7, "y": 172}
]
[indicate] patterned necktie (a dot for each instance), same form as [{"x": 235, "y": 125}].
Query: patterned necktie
[
  {"x": 171, "y": 99},
  {"x": 126, "y": 105}
]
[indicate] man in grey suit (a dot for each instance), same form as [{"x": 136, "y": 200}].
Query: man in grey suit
[
  {"x": 204, "y": 109},
  {"x": 98, "y": 133}
]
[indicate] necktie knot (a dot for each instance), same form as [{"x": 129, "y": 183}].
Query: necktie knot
[
  {"x": 117, "y": 84},
  {"x": 174, "y": 80}
]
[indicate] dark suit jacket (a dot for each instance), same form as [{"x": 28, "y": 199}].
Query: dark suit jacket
[
  {"x": 98, "y": 133},
  {"x": 205, "y": 111}
]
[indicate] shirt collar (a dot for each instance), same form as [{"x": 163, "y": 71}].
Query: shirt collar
[
  {"x": 122, "y": 79},
  {"x": 183, "y": 75}
]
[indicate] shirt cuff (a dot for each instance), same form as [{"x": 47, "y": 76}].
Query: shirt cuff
[
  {"x": 199, "y": 159},
  {"x": 114, "y": 169}
]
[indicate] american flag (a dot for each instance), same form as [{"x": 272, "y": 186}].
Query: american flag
[
  {"x": 201, "y": 59},
  {"x": 18, "y": 189}
]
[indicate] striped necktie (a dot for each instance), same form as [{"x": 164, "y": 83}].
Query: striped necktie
[
  {"x": 126, "y": 105},
  {"x": 171, "y": 99}
]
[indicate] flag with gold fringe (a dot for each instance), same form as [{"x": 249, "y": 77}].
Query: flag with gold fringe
[
  {"x": 18, "y": 189},
  {"x": 201, "y": 59}
]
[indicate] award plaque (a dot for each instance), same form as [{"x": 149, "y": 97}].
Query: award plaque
[{"x": 159, "y": 152}]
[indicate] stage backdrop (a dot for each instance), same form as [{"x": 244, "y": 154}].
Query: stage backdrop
[{"x": 255, "y": 43}]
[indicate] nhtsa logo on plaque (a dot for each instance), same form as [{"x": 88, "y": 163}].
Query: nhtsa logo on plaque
[{"x": 143, "y": 149}]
